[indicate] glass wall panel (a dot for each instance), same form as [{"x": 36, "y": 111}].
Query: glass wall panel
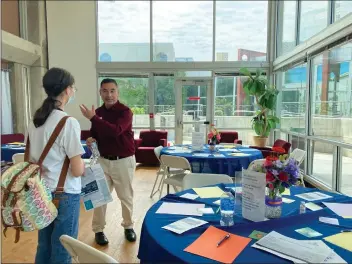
[
  {"x": 322, "y": 154},
  {"x": 313, "y": 18},
  {"x": 133, "y": 92},
  {"x": 346, "y": 172},
  {"x": 233, "y": 109},
  {"x": 182, "y": 30},
  {"x": 286, "y": 27},
  {"x": 293, "y": 89},
  {"x": 164, "y": 98},
  {"x": 241, "y": 30},
  {"x": 124, "y": 30},
  {"x": 342, "y": 8},
  {"x": 332, "y": 94}
]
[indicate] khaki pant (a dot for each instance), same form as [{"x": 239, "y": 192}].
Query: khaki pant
[{"x": 119, "y": 174}]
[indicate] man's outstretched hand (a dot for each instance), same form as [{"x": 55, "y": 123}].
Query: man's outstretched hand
[{"x": 88, "y": 113}]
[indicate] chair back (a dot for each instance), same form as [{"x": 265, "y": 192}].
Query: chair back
[
  {"x": 298, "y": 155},
  {"x": 228, "y": 136},
  {"x": 175, "y": 162},
  {"x": 256, "y": 163},
  {"x": 193, "y": 180},
  {"x": 82, "y": 253},
  {"x": 151, "y": 138},
  {"x": 10, "y": 138},
  {"x": 283, "y": 144},
  {"x": 17, "y": 158},
  {"x": 157, "y": 152}
]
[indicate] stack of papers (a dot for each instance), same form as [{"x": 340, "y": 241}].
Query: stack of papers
[
  {"x": 184, "y": 225},
  {"x": 341, "y": 209},
  {"x": 207, "y": 245},
  {"x": 313, "y": 196},
  {"x": 209, "y": 192},
  {"x": 298, "y": 251},
  {"x": 180, "y": 209}
]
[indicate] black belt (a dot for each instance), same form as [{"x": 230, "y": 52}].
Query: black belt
[{"x": 110, "y": 157}]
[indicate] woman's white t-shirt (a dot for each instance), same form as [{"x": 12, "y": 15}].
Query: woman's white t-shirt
[{"x": 68, "y": 143}]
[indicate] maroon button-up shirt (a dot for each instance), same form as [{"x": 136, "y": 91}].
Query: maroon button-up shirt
[{"x": 112, "y": 128}]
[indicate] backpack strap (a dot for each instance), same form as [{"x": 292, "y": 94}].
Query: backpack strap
[{"x": 52, "y": 139}]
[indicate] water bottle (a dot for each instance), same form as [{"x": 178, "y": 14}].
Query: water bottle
[
  {"x": 302, "y": 208},
  {"x": 227, "y": 209},
  {"x": 95, "y": 154}
]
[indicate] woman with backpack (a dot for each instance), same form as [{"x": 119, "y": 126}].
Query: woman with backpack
[{"x": 59, "y": 87}]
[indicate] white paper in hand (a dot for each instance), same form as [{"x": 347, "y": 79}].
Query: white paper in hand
[{"x": 95, "y": 189}]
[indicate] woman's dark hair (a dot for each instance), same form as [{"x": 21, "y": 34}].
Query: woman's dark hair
[{"x": 55, "y": 81}]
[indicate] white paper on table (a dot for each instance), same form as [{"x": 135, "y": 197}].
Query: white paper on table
[
  {"x": 333, "y": 257},
  {"x": 313, "y": 206},
  {"x": 201, "y": 154},
  {"x": 180, "y": 209},
  {"x": 329, "y": 220},
  {"x": 95, "y": 191},
  {"x": 253, "y": 195},
  {"x": 286, "y": 200},
  {"x": 298, "y": 249},
  {"x": 341, "y": 209},
  {"x": 184, "y": 225},
  {"x": 219, "y": 155},
  {"x": 198, "y": 139},
  {"x": 313, "y": 196},
  {"x": 228, "y": 150},
  {"x": 217, "y": 202},
  {"x": 206, "y": 210},
  {"x": 190, "y": 196}
]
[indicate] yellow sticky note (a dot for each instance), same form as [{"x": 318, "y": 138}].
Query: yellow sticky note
[
  {"x": 209, "y": 192},
  {"x": 286, "y": 192},
  {"x": 343, "y": 240}
]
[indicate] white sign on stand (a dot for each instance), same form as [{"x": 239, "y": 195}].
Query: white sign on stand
[
  {"x": 253, "y": 195},
  {"x": 197, "y": 141}
]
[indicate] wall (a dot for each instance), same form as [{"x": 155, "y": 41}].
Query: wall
[
  {"x": 72, "y": 45},
  {"x": 10, "y": 20}
]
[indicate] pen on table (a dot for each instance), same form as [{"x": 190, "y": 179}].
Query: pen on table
[
  {"x": 218, "y": 210},
  {"x": 345, "y": 231},
  {"x": 223, "y": 239}
]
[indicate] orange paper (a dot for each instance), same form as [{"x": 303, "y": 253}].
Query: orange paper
[{"x": 206, "y": 245}]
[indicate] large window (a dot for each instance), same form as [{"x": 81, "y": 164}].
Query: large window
[
  {"x": 342, "y": 8},
  {"x": 322, "y": 155},
  {"x": 241, "y": 30},
  {"x": 313, "y": 19},
  {"x": 124, "y": 30},
  {"x": 182, "y": 30},
  {"x": 292, "y": 85},
  {"x": 332, "y": 94},
  {"x": 233, "y": 109},
  {"x": 286, "y": 27}
]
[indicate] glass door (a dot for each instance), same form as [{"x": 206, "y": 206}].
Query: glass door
[{"x": 192, "y": 109}]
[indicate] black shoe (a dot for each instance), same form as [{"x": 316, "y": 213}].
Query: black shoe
[
  {"x": 130, "y": 235},
  {"x": 101, "y": 239}
]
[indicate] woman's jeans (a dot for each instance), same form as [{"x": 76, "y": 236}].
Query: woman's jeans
[{"x": 49, "y": 248}]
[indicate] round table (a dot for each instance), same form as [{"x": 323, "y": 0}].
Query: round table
[
  {"x": 160, "y": 245},
  {"x": 224, "y": 160},
  {"x": 7, "y": 151}
]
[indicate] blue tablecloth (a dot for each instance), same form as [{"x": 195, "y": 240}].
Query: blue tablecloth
[
  {"x": 160, "y": 245},
  {"x": 8, "y": 151},
  {"x": 227, "y": 164}
]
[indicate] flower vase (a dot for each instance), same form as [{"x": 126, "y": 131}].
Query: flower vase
[
  {"x": 212, "y": 145},
  {"x": 273, "y": 204}
]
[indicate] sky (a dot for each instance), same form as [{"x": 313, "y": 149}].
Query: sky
[{"x": 187, "y": 24}]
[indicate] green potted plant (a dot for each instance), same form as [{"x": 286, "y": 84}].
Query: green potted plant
[{"x": 265, "y": 96}]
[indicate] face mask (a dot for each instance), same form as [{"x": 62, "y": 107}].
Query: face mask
[{"x": 71, "y": 99}]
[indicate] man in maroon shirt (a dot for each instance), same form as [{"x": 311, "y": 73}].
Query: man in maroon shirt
[{"x": 112, "y": 130}]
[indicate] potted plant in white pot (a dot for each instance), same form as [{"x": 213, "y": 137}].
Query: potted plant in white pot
[{"x": 265, "y": 96}]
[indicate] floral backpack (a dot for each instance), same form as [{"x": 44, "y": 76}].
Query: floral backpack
[{"x": 26, "y": 201}]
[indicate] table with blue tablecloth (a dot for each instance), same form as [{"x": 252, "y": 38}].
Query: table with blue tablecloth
[
  {"x": 8, "y": 150},
  {"x": 160, "y": 245},
  {"x": 213, "y": 163}
]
